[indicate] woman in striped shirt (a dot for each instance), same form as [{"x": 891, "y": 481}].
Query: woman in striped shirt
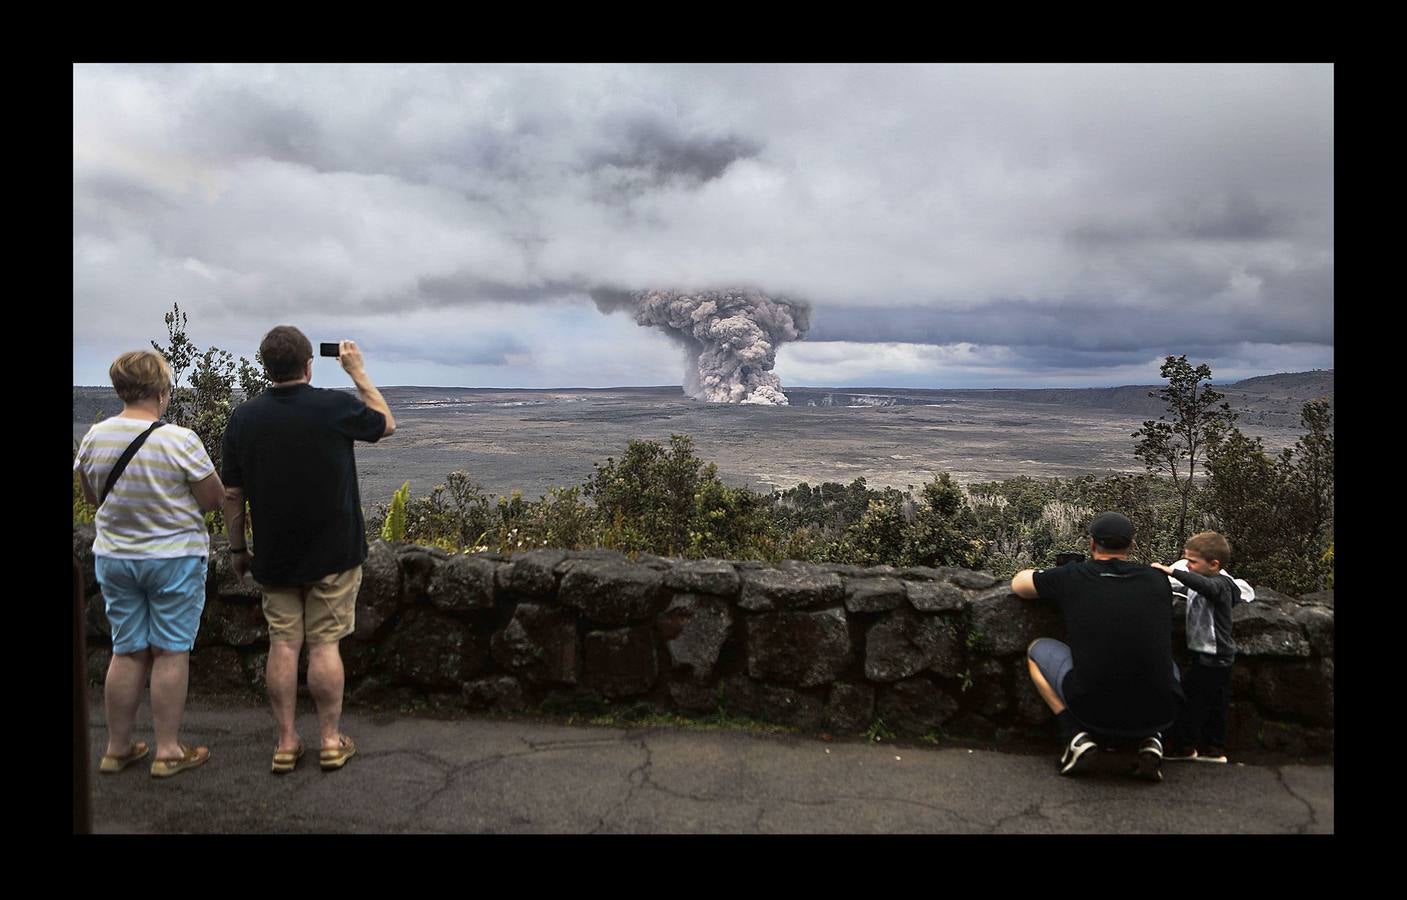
[{"x": 150, "y": 553}]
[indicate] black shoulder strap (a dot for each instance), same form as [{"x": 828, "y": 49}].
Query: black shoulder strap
[{"x": 125, "y": 458}]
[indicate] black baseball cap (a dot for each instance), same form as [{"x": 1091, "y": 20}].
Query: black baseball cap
[{"x": 1111, "y": 529}]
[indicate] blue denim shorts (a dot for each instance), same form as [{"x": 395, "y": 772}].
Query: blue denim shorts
[
  {"x": 153, "y": 602},
  {"x": 1053, "y": 658}
]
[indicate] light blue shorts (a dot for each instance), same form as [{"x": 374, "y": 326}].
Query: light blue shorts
[{"x": 153, "y": 602}]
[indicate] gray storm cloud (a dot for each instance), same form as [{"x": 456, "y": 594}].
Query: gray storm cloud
[{"x": 731, "y": 337}]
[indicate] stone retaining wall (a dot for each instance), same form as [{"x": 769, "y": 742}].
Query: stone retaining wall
[{"x": 835, "y": 647}]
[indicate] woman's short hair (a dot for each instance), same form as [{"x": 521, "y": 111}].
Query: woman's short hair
[
  {"x": 140, "y": 375},
  {"x": 285, "y": 351}
]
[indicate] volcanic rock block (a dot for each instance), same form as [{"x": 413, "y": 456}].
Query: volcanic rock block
[
  {"x": 99, "y": 658},
  {"x": 842, "y": 569},
  {"x": 380, "y": 691},
  {"x": 974, "y": 580},
  {"x": 658, "y": 563},
  {"x": 794, "y": 588},
  {"x": 851, "y": 707},
  {"x": 1318, "y": 625},
  {"x": 914, "y": 707},
  {"x": 463, "y": 584},
  {"x": 1320, "y": 598},
  {"x": 935, "y": 596},
  {"x": 95, "y": 617},
  {"x": 1029, "y": 707},
  {"x": 379, "y": 596},
  {"x": 1303, "y": 691},
  {"x": 739, "y": 695},
  {"x": 596, "y": 554},
  {"x": 1298, "y": 740},
  {"x": 972, "y": 725},
  {"x": 534, "y": 573},
  {"x": 499, "y": 693},
  {"x": 703, "y": 576},
  {"x": 221, "y": 579},
  {"x": 1267, "y": 629},
  {"x": 1265, "y": 595},
  {"x": 217, "y": 670},
  {"x": 946, "y": 653},
  {"x": 787, "y": 706},
  {"x": 693, "y": 697},
  {"x": 611, "y": 593},
  {"x": 987, "y": 693},
  {"x": 255, "y": 663},
  {"x": 539, "y": 644},
  {"x": 83, "y": 537},
  {"x": 359, "y": 658},
  {"x": 233, "y": 624},
  {"x": 417, "y": 568},
  {"x": 1294, "y": 740},
  {"x": 1003, "y": 623},
  {"x": 694, "y": 629},
  {"x": 802, "y": 648},
  {"x": 925, "y": 573},
  {"x": 1179, "y": 622},
  {"x": 430, "y": 649},
  {"x": 876, "y": 594},
  {"x": 621, "y": 662},
  {"x": 899, "y": 646}
]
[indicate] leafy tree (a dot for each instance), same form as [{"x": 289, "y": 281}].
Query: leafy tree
[
  {"x": 205, "y": 404},
  {"x": 647, "y": 499},
  {"x": 880, "y": 536},
  {"x": 1277, "y": 512},
  {"x": 1196, "y": 418},
  {"x": 944, "y": 528}
]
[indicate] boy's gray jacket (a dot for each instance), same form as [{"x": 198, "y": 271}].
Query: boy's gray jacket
[{"x": 1209, "y": 618}]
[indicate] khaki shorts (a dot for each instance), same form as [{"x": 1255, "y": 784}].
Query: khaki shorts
[{"x": 322, "y": 612}]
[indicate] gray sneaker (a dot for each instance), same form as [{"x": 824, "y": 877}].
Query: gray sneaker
[
  {"x": 1081, "y": 746},
  {"x": 1150, "y": 759}
]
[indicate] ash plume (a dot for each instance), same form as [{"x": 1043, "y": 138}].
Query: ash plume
[{"x": 731, "y": 337}]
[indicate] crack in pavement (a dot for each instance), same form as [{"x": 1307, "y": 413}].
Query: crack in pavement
[
  {"x": 1034, "y": 811},
  {"x": 1313, "y": 817},
  {"x": 643, "y": 770}
]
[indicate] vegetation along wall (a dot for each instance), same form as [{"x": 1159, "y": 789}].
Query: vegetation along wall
[{"x": 915, "y": 652}]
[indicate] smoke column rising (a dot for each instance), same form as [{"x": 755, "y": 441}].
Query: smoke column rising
[{"x": 731, "y": 337}]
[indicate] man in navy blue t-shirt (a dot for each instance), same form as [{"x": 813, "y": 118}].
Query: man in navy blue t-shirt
[
  {"x": 1116, "y": 676},
  {"x": 288, "y": 453}
]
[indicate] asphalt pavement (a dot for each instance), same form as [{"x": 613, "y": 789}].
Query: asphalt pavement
[{"x": 480, "y": 775}]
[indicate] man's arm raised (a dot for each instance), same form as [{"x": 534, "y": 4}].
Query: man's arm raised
[{"x": 355, "y": 366}]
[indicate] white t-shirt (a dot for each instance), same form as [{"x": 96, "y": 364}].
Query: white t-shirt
[{"x": 151, "y": 512}]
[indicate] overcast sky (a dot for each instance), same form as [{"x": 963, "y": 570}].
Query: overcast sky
[{"x": 951, "y": 226}]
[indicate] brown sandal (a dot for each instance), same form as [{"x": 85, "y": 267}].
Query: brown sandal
[
  {"x": 111, "y": 764},
  {"x": 336, "y": 759},
  {"x": 190, "y": 758},
  {"x": 286, "y": 761}
]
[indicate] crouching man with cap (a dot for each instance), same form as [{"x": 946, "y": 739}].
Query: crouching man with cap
[{"x": 1116, "y": 678}]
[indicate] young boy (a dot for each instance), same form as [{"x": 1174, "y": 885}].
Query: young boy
[{"x": 1200, "y": 733}]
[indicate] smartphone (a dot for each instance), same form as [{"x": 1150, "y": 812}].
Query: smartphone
[{"x": 329, "y": 349}]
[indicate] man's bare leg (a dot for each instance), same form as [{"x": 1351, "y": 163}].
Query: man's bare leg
[
  {"x": 282, "y": 678},
  {"x": 170, "y": 675},
  {"x": 122, "y": 692},
  {"x": 325, "y": 682},
  {"x": 1043, "y": 687}
]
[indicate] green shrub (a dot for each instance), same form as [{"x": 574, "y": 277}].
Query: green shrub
[{"x": 394, "y": 528}]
